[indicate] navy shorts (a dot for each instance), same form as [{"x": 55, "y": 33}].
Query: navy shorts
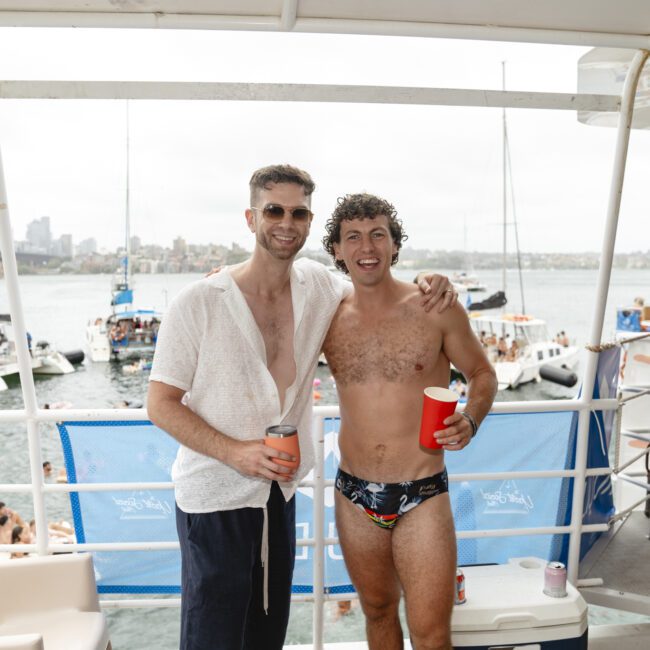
[{"x": 222, "y": 578}]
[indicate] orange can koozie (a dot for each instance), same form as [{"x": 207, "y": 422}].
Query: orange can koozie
[
  {"x": 438, "y": 404},
  {"x": 284, "y": 437}
]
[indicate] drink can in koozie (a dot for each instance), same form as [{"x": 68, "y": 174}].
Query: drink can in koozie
[
  {"x": 284, "y": 437},
  {"x": 438, "y": 404}
]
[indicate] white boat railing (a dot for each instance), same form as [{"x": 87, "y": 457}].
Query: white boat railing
[{"x": 319, "y": 542}]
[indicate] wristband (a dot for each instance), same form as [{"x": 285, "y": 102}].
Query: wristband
[{"x": 472, "y": 422}]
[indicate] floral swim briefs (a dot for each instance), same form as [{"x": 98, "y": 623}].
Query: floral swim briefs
[{"x": 385, "y": 503}]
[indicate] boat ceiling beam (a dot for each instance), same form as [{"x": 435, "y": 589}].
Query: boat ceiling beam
[
  {"x": 289, "y": 21},
  {"x": 172, "y": 90}
]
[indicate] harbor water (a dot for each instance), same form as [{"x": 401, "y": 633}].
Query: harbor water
[{"x": 58, "y": 308}]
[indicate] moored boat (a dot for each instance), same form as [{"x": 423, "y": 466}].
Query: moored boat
[
  {"x": 519, "y": 346},
  {"x": 126, "y": 332},
  {"x": 44, "y": 359}
]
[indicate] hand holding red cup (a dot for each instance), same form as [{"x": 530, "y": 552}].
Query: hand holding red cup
[{"x": 438, "y": 404}]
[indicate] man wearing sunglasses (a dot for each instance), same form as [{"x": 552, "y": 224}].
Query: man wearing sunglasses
[
  {"x": 392, "y": 507},
  {"x": 236, "y": 353}
]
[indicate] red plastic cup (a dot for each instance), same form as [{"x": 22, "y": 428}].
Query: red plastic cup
[
  {"x": 284, "y": 437},
  {"x": 437, "y": 406}
]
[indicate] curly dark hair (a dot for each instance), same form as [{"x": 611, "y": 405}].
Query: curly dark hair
[
  {"x": 361, "y": 206},
  {"x": 262, "y": 178}
]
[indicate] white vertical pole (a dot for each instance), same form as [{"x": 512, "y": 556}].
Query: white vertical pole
[
  {"x": 604, "y": 273},
  {"x": 127, "y": 246},
  {"x": 24, "y": 366},
  {"x": 319, "y": 527},
  {"x": 289, "y": 15},
  {"x": 504, "y": 198}
]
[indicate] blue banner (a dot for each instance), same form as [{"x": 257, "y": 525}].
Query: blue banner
[
  {"x": 98, "y": 452},
  {"x": 107, "y": 452}
]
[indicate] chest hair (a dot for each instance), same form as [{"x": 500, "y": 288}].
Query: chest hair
[{"x": 394, "y": 349}]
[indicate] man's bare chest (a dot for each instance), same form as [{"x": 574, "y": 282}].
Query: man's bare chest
[
  {"x": 275, "y": 322},
  {"x": 401, "y": 348}
]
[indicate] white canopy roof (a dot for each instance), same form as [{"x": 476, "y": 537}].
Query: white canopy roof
[{"x": 620, "y": 23}]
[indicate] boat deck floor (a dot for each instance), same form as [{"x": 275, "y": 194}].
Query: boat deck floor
[
  {"x": 621, "y": 556},
  {"x": 601, "y": 637}
]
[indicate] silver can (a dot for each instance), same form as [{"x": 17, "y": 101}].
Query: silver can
[{"x": 555, "y": 580}]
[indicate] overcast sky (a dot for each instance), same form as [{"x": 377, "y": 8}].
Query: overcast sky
[{"x": 191, "y": 161}]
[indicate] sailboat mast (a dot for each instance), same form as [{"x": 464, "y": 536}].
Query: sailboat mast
[
  {"x": 504, "y": 181},
  {"x": 127, "y": 248}
]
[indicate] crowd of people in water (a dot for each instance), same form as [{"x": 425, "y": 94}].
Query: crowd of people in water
[{"x": 16, "y": 531}]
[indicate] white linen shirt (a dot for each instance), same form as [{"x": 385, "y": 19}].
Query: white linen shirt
[{"x": 210, "y": 346}]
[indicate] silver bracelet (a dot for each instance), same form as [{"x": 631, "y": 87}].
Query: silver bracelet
[{"x": 472, "y": 422}]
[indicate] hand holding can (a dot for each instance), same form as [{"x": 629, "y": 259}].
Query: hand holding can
[
  {"x": 284, "y": 437},
  {"x": 438, "y": 404}
]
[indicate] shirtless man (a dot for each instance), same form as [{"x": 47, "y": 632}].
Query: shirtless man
[{"x": 392, "y": 507}]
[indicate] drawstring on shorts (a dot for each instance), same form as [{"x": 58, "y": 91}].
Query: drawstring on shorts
[{"x": 265, "y": 559}]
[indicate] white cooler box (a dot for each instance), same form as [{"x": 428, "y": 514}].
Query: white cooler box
[{"x": 507, "y": 609}]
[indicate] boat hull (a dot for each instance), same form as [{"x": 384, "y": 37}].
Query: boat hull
[{"x": 53, "y": 363}]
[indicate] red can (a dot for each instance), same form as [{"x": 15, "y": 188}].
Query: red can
[{"x": 460, "y": 587}]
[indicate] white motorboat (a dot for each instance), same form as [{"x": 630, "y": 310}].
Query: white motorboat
[
  {"x": 52, "y": 362},
  {"x": 123, "y": 335},
  {"x": 44, "y": 359},
  {"x": 526, "y": 347},
  {"x": 467, "y": 282}
]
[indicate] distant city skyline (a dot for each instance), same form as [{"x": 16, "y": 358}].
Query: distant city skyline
[
  {"x": 41, "y": 252},
  {"x": 39, "y": 238}
]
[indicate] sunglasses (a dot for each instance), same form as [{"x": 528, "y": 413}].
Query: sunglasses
[{"x": 274, "y": 213}]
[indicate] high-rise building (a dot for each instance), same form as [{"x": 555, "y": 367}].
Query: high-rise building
[
  {"x": 87, "y": 246},
  {"x": 39, "y": 234},
  {"x": 180, "y": 246},
  {"x": 135, "y": 244},
  {"x": 67, "y": 249}
]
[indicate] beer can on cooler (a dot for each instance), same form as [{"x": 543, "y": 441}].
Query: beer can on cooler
[
  {"x": 460, "y": 587},
  {"x": 555, "y": 580}
]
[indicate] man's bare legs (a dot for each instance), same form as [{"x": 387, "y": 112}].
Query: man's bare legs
[
  {"x": 369, "y": 559},
  {"x": 424, "y": 554},
  {"x": 419, "y": 554}
]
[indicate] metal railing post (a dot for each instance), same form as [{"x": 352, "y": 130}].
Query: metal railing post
[
  {"x": 24, "y": 366},
  {"x": 604, "y": 274},
  {"x": 319, "y": 526}
]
